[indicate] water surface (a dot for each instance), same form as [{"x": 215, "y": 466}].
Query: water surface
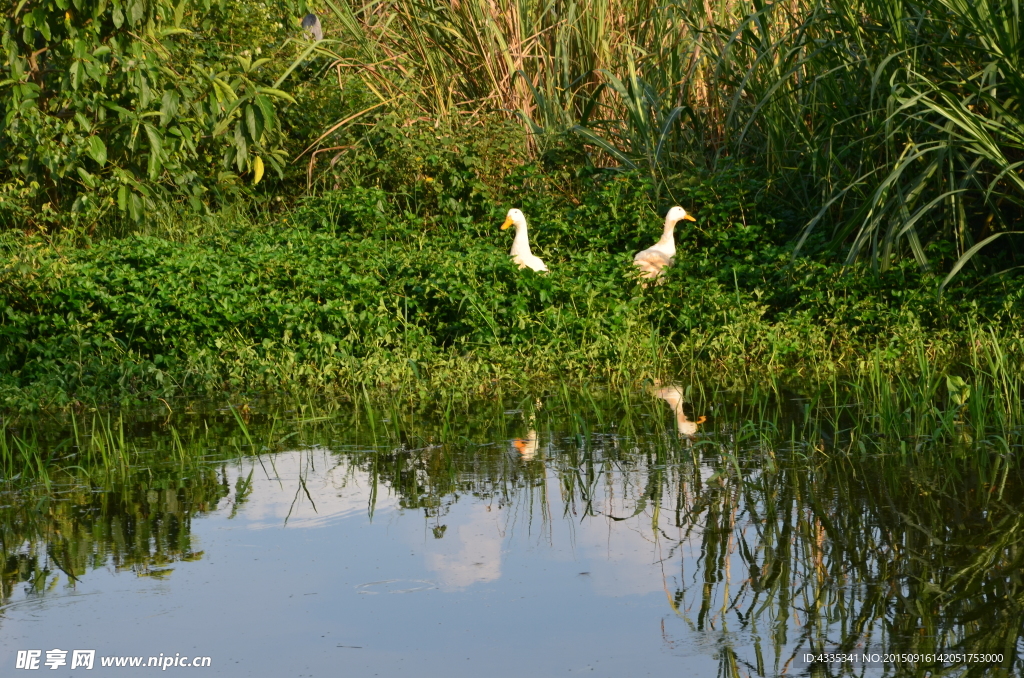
[{"x": 598, "y": 536}]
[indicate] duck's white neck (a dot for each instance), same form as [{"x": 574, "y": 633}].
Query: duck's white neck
[
  {"x": 667, "y": 243},
  {"x": 521, "y": 244}
]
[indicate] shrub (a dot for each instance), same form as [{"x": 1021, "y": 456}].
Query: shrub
[{"x": 114, "y": 107}]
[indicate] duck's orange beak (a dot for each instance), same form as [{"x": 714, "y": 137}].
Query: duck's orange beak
[
  {"x": 508, "y": 222},
  {"x": 687, "y": 217}
]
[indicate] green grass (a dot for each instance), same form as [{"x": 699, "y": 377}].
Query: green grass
[
  {"x": 356, "y": 291},
  {"x": 771, "y": 124},
  {"x": 348, "y": 293}
]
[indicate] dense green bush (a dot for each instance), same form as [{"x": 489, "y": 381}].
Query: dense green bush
[{"x": 111, "y": 108}]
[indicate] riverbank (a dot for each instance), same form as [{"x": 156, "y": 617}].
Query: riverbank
[{"x": 348, "y": 292}]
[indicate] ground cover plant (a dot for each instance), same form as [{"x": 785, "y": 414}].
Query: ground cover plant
[
  {"x": 374, "y": 260},
  {"x": 356, "y": 289}
]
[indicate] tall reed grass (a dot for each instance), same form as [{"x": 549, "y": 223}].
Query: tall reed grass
[{"x": 894, "y": 125}]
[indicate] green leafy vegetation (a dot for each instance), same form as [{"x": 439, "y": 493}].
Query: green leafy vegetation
[
  {"x": 894, "y": 125},
  {"x": 371, "y": 258},
  {"x": 353, "y": 291},
  {"x": 109, "y": 110},
  {"x": 198, "y": 201}
]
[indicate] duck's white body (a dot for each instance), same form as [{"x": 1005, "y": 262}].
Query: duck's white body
[
  {"x": 520, "y": 252},
  {"x": 653, "y": 260}
]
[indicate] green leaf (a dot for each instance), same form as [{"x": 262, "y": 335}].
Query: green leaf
[
  {"x": 44, "y": 28},
  {"x": 241, "y": 147},
  {"x": 155, "y": 140},
  {"x": 254, "y": 123},
  {"x": 82, "y": 121},
  {"x": 135, "y": 206},
  {"x": 168, "y": 32},
  {"x": 155, "y": 152},
  {"x": 267, "y": 109},
  {"x": 136, "y": 11},
  {"x": 224, "y": 89},
  {"x": 76, "y": 74},
  {"x": 88, "y": 179},
  {"x": 179, "y": 12},
  {"x": 604, "y": 145},
  {"x": 276, "y": 93},
  {"x": 168, "y": 106},
  {"x": 98, "y": 150},
  {"x": 962, "y": 261},
  {"x": 257, "y": 168},
  {"x": 145, "y": 94}
]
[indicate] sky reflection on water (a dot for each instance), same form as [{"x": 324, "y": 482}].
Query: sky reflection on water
[
  {"x": 501, "y": 593},
  {"x": 558, "y": 547}
]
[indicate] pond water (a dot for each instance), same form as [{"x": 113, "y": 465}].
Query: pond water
[{"x": 624, "y": 536}]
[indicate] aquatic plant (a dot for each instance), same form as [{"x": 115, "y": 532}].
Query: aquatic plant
[{"x": 813, "y": 531}]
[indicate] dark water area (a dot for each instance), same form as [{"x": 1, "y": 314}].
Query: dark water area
[{"x": 606, "y": 535}]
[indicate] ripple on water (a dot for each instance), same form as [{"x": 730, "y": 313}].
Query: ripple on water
[{"x": 395, "y": 586}]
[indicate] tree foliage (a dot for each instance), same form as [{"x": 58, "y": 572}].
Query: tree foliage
[{"x": 120, "y": 106}]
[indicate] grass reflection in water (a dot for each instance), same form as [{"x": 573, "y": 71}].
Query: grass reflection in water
[{"x": 780, "y": 526}]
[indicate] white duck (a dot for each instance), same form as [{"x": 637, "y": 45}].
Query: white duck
[
  {"x": 673, "y": 395},
  {"x": 521, "y": 253},
  {"x": 653, "y": 260}
]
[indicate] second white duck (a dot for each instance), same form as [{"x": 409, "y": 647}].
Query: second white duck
[
  {"x": 673, "y": 395},
  {"x": 521, "y": 253},
  {"x": 653, "y": 260}
]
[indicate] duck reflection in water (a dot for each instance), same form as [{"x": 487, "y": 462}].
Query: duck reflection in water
[
  {"x": 526, "y": 447},
  {"x": 673, "y": 395}
]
